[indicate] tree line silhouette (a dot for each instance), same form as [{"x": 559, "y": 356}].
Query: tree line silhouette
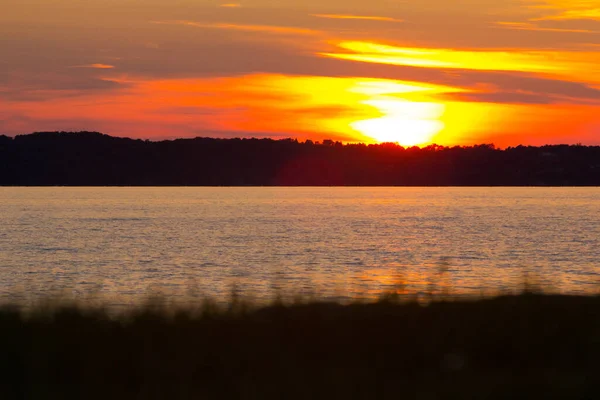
[{"x": 95, "y": 159}]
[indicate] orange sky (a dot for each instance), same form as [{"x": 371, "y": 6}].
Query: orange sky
[{"x": 414, "y": 72}]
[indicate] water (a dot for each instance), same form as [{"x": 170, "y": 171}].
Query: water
[{"x": 124, "y": 244}]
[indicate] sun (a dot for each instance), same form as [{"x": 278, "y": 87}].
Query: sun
[{"x": 408, "y": 123}]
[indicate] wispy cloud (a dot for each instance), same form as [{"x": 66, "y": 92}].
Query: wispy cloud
[
  {"x": 516, "y": 97},
  {"x": 570, "y": 10},
  {"x": 528, "y": 26},
  {"x": 593, "y": 14},
  {"x": 243, "y": 27},
  {"x": 94, "y": 66},
  {"x": 359, "y": 17},
  {"x": 487, "y": 60}
]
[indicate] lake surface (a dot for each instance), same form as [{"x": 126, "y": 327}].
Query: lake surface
[{"x": 124, "y": 244}]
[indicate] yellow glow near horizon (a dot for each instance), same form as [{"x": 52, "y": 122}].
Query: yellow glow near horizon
[
  {"x": 371, "y": 110},
  {"x": 317, "y": 108},
  {"x": 305, "y": 107},
  {"x": 403, "y": 121}
]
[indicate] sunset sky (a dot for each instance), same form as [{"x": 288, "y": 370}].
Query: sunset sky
[{"x": 452, "y": 72}]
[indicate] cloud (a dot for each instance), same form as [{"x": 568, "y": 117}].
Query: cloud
[
  {"x": 285, "y": 30},
  {"x": 212, "y": 54},
  {"x": 193, "y": 110},
  {"x": 48, "y": 86},
  {"x": 528, "y": 26},
  {"x": 568, "y": 10},
  {"x": 565, "y": 91},
  {"x": 593, "y": 14},
  {"x": 480, "y": 59},
  {"x": 516, "y": 97},
  {"x": 94, "y": 66},
  {"x": 357, "y": 17}
]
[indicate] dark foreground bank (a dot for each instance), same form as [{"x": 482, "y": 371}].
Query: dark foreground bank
[{"x": 513, "y": 347}]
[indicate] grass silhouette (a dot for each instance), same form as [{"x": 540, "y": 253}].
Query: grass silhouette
[{"x": 526, "y": 346}]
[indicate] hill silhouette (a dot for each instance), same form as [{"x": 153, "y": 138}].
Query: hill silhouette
[{"x": 95, "y": 159}]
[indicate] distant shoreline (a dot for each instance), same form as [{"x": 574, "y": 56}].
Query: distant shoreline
[{"x": 96, "y": 160}]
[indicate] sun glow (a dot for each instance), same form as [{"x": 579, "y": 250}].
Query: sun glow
[
  {"x": 406, "y": 122},
  {"x": 401, "y": 126},
  {"x": 350, "y": 109}
]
